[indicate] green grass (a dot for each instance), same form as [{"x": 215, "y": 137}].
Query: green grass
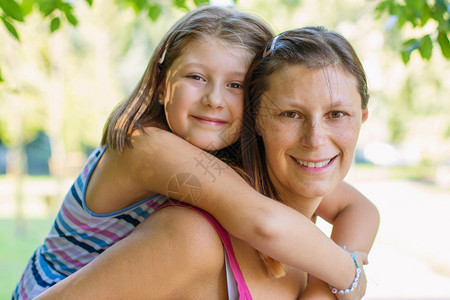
[
  {"x": 16, "y": 247},
  {"x": 423, "y": 172},
  {"x": 420, "y": 172}
]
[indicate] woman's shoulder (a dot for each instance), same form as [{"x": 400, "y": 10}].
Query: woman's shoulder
[
  {"x": 193, "y": 233},
  {"x": 186, "y": 251},
  {"x": 150, "y": 132}
]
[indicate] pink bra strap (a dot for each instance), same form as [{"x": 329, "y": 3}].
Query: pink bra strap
[{"x": 244, "y": 293}]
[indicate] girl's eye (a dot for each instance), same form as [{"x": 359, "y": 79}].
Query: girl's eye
[
  {"x": 336, "y": 114},
  {"x": 235, "y": 85},
  {"x": 196, "y": 77},
  {"x": 291, "y": 115}
]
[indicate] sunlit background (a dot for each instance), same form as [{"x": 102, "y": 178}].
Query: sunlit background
[{"x": 59, "y": 88}]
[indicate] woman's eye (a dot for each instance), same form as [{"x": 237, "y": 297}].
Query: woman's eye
[
  {"x": 235, "y": 85},
  {"x": 336, "y": 114},
  {"x": 291, "y": 115}
]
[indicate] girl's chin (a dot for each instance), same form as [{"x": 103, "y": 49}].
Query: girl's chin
[{"x": 208, "y": 145}]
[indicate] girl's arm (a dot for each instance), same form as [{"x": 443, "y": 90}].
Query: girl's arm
[
  {"x": 355, "y": 219},
  {"x": 355, "y": 224},
  {"x": 161, "y": 162}
]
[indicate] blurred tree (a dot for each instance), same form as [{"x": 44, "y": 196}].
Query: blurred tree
[
  {"x": 58, "y": 11},
  {"x": 38, "y": 51},
  {"x": 429, "y": 20}
]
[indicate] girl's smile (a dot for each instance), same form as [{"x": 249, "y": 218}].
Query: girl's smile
[
  {"x": 203, "y": 94},
  {"x": 210, "y": 120}
]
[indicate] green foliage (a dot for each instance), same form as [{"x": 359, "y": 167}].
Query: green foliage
[
  {"x": 444, "y": 43},
  {"x": 54, "y": 24},
  {"x": 201, "y": 2},
  {"x": 60, "y": 11},
  {"x": 421, "y": 15},
  {"x": 10, "y": 27},
  {"x": 154, "y": 11},
  {"x": 12, "y": 11}
]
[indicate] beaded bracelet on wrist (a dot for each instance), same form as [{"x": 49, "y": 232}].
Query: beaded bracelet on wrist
[{"x": 355, "y": 281}]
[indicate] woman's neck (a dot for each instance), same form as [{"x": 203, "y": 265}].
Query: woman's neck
[{"x": 305, "y": 206}]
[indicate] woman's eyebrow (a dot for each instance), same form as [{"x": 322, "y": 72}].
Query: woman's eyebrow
[{"x": 340, "y": 103}]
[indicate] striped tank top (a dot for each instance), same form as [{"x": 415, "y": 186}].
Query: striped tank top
[{"x": 79, "y": 235}]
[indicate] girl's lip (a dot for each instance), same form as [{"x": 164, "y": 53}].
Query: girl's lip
[{"x": 210, "y": 120}]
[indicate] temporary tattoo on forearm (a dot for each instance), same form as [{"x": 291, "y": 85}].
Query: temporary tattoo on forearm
[{"x": 184, "y": 187}]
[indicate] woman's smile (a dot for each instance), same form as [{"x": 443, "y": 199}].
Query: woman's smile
[
  {"x": 315, "y": 166},
  {"x": 309, "y": 121}
]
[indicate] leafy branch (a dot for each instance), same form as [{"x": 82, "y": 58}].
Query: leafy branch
[
  {"x": 60, "y": 11},
  {"x": 431, "y": 17}
]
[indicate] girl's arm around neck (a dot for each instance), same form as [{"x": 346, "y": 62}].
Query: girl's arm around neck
[
  {"x": 355, "y": 223},
  {"x": 355, "y": 219},
  {"x": 160, "y": 162}
]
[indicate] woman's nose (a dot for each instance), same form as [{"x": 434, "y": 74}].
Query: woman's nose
[{"x": 313, "y": 134}]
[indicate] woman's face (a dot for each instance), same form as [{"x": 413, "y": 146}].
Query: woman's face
[{"x": 309, "y": 120}]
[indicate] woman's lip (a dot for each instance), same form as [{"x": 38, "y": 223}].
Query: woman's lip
[
  {"x": 209, "y": 120},
  {"x": 317, "y": 165}
]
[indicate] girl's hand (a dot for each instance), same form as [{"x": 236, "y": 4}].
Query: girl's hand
[
  {"x": 319, "y": 290},
  {"x": 360, "y": 290}
]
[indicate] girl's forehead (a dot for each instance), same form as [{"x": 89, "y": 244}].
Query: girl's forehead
[{"x": 216, "y": 46}]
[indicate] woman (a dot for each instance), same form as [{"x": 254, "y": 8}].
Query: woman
[{"x": 307, "y": 99}]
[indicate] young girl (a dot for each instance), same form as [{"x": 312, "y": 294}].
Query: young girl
[{"x": 193, "y": 88}]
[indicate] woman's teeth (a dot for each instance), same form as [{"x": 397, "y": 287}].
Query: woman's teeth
[{"x": 313, "y": 164}]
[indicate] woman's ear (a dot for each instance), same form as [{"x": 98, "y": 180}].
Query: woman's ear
[
  {"x": 365, "y": 114},
  {"x": 258, "y": 125}
]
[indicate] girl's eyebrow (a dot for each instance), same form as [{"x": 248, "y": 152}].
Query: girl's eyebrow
[
  {"x": 202, "y": 65},
  {"x": 193, "y": 64}
]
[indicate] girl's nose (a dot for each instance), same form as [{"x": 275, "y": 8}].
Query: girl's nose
[{"x": 213, "y": 97}]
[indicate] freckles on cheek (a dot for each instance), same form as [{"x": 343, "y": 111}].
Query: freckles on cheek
[
  {"x": 277, "y": 137},
  {"x": 272, "y": 130},
  {"x": 347, "y": 136}
]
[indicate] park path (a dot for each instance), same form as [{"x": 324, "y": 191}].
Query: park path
[{"x": 411, "y": 255}]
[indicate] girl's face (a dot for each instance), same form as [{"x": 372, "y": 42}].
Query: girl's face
[
  {"x": 309, "y": 120},
  {"x": 203, "y": 94}
]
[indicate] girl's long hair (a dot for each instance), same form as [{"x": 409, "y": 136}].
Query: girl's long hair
[{"x": 141, "y": 108}]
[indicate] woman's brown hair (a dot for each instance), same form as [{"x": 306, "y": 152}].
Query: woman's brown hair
[{"x": 313, "y": 47}]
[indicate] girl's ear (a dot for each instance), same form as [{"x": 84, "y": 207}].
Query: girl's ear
[{"x": 160, "y": 92}]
